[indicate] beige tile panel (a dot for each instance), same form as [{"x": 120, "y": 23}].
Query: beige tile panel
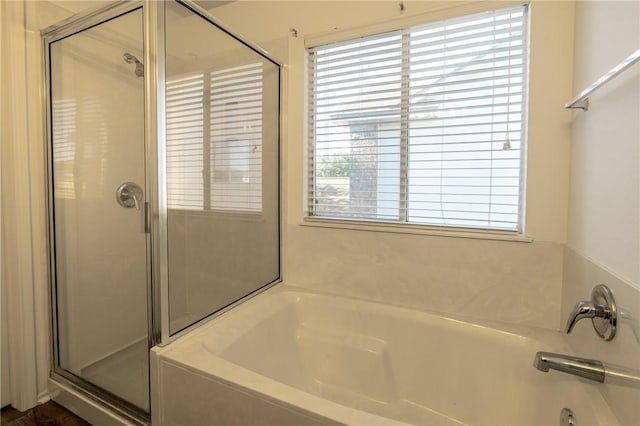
[
  {"x": 513, "y": 282},
  {"x": 580, "y": 276}
]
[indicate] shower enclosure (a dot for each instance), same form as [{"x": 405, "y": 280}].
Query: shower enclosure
[{"x": 163, "y": 146}]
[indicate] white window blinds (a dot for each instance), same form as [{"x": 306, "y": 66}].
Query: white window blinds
[
  {"x": 423, "y": 125},
  {"x": 214, "y": 140},
  {"x": 185, "y": 136},
  {"x": 63, "y": 135},
  {"x": 236, "y": 138}
]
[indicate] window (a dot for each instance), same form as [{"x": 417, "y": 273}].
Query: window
[
  {"x": 214, "y": 140},
  {"x": 424, "y": 125}
]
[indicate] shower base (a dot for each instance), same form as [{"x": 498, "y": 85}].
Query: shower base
[{"x": 123, "y": 373}]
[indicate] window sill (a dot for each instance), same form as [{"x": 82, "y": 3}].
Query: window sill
[
  {"x": 218, "y": 214},
  {"x": 356, "y": 225}
]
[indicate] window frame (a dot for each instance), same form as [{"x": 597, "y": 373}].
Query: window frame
[{"x": 309, "y": 218}]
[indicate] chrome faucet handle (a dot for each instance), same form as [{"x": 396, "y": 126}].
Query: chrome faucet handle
[
  {"x": 583, "y": 310},
  {"x": 602, "y": 310}
]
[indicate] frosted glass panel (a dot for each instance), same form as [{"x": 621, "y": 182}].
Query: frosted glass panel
[
  {"x": 222, "y": 103},
  {"x": 97, "y": 109}
]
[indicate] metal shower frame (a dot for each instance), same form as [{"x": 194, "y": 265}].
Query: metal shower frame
[{"x": 153, "y": 12}]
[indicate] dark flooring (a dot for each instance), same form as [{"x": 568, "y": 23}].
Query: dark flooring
[{"x": 48, "y": 414}]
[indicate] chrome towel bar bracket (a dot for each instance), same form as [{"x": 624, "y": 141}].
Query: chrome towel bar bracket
[{"x": 581, "y": 101}]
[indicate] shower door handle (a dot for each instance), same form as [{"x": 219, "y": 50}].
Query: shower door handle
[
  {"x": 129, "y": 195},
  {"x": 147, "y": 217}
]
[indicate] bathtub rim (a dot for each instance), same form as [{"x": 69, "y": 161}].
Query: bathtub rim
[
  {"x": 186, "y": 351},
  {"x": 542, "y": 334}
]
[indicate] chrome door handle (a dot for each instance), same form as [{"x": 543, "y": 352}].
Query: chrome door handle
[
  {"x": 147, "y": 217},
  {"x": 129, "y": 195}
]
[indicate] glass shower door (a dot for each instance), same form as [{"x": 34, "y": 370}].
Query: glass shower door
[
  {"x": 222, "y": 166},
  {"x": 98, "y": 203}
]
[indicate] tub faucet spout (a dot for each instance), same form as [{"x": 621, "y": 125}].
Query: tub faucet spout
[{"x": 581, "y": 367}]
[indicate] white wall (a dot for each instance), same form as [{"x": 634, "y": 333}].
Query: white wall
[
  {"x": 503, "y": 280},
  {"x": 603, "y": 244},
  {"x": 604, "y": 214},
  {"x": 24, "y": 239},
  {"x": 5, "y": 374}
]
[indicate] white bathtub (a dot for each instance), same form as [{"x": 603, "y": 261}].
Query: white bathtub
[{"x": 289, "y": 357}]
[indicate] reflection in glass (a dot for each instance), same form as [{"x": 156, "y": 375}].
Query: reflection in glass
[
  {"x": 221, "y": 168},
  {"x": 215, "y": 115}
]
